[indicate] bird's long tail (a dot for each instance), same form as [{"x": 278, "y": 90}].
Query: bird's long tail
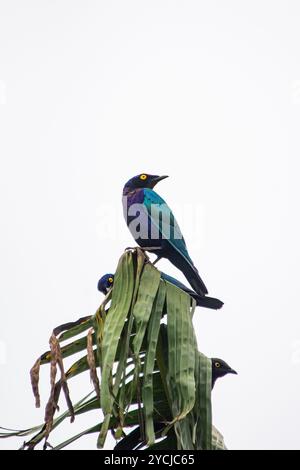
[
  {"x": 209, "y": 302},
  {"x": 190, "y": 273}
]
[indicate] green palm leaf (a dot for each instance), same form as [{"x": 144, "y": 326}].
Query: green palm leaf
[{"x": 155, "y": 386}]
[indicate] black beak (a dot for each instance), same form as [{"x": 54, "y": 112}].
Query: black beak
[
  {"x": 232, "y": 371},
  {"x": 160, "y": 178},
  {"x": 157, "y": 179}
]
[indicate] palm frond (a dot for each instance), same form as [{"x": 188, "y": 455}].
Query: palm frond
[{"x": 152, "y": 385}]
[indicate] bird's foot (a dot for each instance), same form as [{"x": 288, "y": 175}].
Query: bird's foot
[{"x": 144, "y": 250}]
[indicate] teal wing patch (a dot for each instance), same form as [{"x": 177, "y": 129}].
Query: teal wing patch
[{"x": 163, "y": 219}]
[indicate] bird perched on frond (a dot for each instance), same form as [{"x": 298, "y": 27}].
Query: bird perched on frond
[
  {"x": 107, "y": 281},
  {"x": 219, "y": 368},
  {"x": 154, "y": 227}
]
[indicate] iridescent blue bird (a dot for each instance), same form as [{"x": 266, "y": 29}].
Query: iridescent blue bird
[
  {"x": 107, "y": 281},
  {"x": 154, "y": 227}
]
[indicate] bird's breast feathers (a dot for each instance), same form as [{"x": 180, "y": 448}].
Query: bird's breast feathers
[{"x": 134, "y": 197}]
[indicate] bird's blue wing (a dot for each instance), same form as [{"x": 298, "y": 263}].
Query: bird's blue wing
[{"x": 163, "y": 219}]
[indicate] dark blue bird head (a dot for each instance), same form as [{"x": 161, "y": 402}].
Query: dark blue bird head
[
  {"x": 219, "y": 368},
  {"x": 105, "y": 283},
  {"x": 142, "y": 181}
]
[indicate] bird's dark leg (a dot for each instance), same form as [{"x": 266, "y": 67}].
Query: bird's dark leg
[
  {"x": 144, "y": 249},
  {"x": 150, "y": 249},
  {"x": 157, "y": 259}
]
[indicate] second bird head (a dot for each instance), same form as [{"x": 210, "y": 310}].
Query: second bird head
[
  {"x": 144, "y": 180},
  {"x": 219, "y": 368},
  {"x": 105, "y": 283}
]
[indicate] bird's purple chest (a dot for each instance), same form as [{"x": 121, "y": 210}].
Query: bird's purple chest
[
  {"x": 135, "y": 197},
  {"x": 131, "y": 202}
]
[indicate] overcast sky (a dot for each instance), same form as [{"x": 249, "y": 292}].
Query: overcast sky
[{"x": 94, "y": 92}]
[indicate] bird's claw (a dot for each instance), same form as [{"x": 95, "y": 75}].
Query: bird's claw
[{"x": 144, "y": 250}]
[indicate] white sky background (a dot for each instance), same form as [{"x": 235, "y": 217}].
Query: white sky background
[{"x": 94, "y": 92}]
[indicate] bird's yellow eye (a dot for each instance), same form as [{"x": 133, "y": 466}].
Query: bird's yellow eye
[
  {"x": 143, "y": 177},
  {"x": 110, "y": 279},
  {"x": 217, "y": 364}
]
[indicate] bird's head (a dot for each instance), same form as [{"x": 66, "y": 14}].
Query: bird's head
[
  {"x": 142, "y": 181},
  {"x": 219, "y": 369},
  {"x": 105, "y": 283}
]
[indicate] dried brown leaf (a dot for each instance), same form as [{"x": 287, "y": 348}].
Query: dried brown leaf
[
  {"x": 92, "y": 363},
  {"x": 66, "y": 326},
  {"x": 53, "y": 399},
  {"x": 34, "y": 377},
  {"x": 52, "y": 405}
]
